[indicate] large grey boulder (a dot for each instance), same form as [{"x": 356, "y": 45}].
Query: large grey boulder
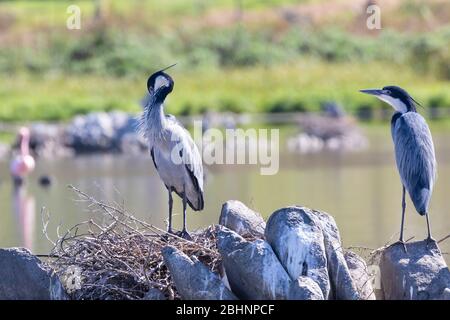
[
  {"x": 48, "y": 141},
  {"x": 420, "y": 273},
  {"x": 154, "y": 294},
  {"x": 104, "y": 132},
  {"x": 305, "y": 288},
  {"x": 95, "y": 132},
  {"x": 92, "y": 132},
  {"x": 342, "y": 285},
  {"x": 445, "y": 294},
  {"x": 298, "y": 242},
  {"x": 193, "y": 280},
  {"x": 24, "y": 277},
  {"x": 237, "y": 217},
  {"x": 327, "y": 132},
  {"x": 320, "y": 256},
  {"x": 252, "y": 268},
  {"x": 360, "y": 275}
]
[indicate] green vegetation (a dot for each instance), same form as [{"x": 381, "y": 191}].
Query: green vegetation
[
  {"x": 225, "y": 61},
  {"x": 289, "y": 87},
  {"x": 7, "y": 138}
]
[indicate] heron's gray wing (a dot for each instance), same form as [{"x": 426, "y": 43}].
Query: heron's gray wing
[
  {"x": 193, "y": 161},
  {"x": 414, "y": 153},
  {"x": 152, "y": 153}
]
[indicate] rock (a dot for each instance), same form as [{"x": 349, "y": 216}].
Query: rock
[
  {"x": 193, "y": 280},
  {"x": 320, "y": 256},
  {"x": 154, "y": 294},
  {"x": 445, "y": 295},
  {"x": 93, "y": 132},
  {"x": 298, "y": 242},
  {"x": 105, "y": 132},
  {"x": 48, "y": 141},
  {"x": 305, "y": 288},
  {"x": 237, "y": 217},
  {"x": 24, "y": 277},
  {"x": 305, "y": 143},
  {"x": 333, "y": 131},
  {"x": 252, "y": 268},
  {"x": 342, "y": 284},
  {"x": 419, "y": 274},
  {"x": 360, "y": 275}
]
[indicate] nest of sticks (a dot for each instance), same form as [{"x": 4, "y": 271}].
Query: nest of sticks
[{"x": 120, "y": 258}]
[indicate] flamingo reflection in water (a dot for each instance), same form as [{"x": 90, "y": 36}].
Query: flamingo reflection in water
[{"x": 24, "y": 210}]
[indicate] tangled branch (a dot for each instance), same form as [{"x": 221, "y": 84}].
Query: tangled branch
[{"x": 120, "y": 257}]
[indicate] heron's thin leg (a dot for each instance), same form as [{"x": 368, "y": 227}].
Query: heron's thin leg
[
  {"x": 184, "y": 233},
  {"x": 430, "y": 241},
  {"x": 401, "y": 241},
  {"x": 170, "y": 211},
  {"x": 184, "y": 212},
  {"x": 403, "y": 214},
  {"x": 429, "y": 238}
]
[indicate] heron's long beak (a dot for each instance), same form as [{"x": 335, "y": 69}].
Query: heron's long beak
[
  {"x": 374, "y": 92},
  {"x": 173, "y": 65}
]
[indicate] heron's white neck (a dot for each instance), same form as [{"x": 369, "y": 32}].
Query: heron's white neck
[
  {"x": 395, "y": 103},
  {"x": 155, "y": 120}
]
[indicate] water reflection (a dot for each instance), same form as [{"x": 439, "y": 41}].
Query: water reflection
[
  {"x": 361, "y": 190},
  {"x": 24, "y": 210}
]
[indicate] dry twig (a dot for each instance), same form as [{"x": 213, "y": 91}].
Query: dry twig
[{"x": 120, "y": 258}]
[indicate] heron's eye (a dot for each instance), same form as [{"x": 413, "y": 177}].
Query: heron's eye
[{"x": 388, "y": 92}]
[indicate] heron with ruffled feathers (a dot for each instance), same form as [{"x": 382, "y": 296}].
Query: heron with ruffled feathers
[{"x": 172, "y": 149}]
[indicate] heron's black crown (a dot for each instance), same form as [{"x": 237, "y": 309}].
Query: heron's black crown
[{"x": 401, "y": 94}]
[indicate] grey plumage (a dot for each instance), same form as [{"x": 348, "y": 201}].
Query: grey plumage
[
  {"x": 414, "y": 150},
  {"x": 414, "y": 154},
  {"x": 178, "y": 162},
  {"x": 173, "y": 151}
]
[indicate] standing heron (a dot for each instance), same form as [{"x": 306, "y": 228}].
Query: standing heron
[
  {"x": 414, "y": 150},
  {"x": 174, "y": 153}
]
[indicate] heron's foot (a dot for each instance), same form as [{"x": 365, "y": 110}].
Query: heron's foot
[
  {"x": 430, "y": 242},
  {"x": 185, "y": 235},
  {"x": 166, "y": 236},
  {"x": 402, "y": 243}
]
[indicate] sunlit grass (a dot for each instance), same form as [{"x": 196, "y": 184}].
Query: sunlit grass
[
  {"x": 7, "y": 137},
  {"x": 303, "y": 85},
  {"x": 31, "y": 13}
]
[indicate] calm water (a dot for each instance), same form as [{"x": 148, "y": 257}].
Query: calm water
[{"x": 362, "y": 191}]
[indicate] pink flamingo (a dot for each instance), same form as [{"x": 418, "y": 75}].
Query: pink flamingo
[{"x": 23, "y": 163}]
